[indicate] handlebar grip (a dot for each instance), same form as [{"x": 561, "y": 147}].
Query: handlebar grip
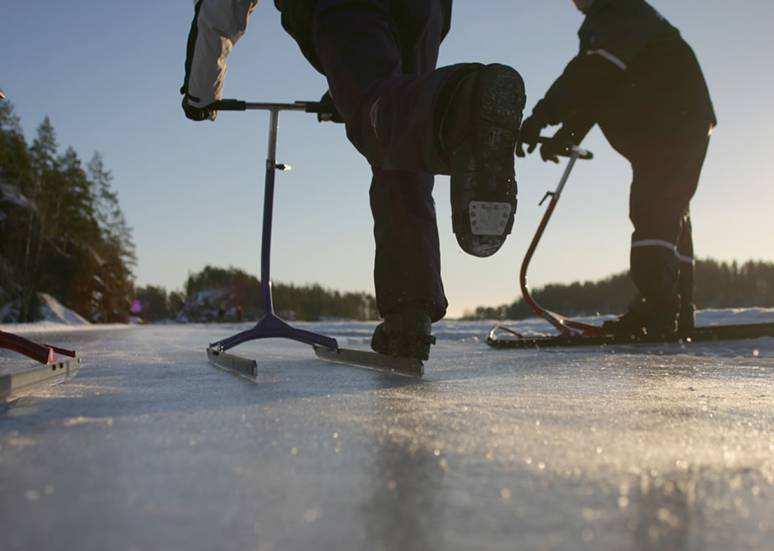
[
  {"x": 323, "y": 112},
  {"x": 312, "y": 107},
  {"x": 230, "y": 105},
  {"x": 584, "y": 154}
]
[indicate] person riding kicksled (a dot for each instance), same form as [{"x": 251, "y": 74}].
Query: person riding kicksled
[
  {"x": 409, "y": 119},
  {"x": 640, "y": 81}
]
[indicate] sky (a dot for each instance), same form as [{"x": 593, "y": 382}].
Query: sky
[{"x": 108, "y": 75}]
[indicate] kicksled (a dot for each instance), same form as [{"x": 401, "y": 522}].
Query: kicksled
[
  {"x": 573, "y": 333},
  {"x": 270, "y": 325},
  {"x": 55, "y": 365}
]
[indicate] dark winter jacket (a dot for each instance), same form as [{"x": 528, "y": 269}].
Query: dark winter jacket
[
  {"x": 297, "y": 17},
  {"x": 634, "y": 75}
]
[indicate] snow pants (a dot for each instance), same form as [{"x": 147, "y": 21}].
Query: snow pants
[
  {"x": 379, "y": 57},
  {"x": 665, "y": 181}
]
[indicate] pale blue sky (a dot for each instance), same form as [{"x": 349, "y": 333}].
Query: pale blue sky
[{"x": 108, "y": 74}]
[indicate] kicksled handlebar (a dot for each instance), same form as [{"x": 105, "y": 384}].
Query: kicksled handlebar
[{"x": 324, "y": 113}]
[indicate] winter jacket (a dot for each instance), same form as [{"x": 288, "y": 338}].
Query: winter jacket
[
  {"x": 219, "y": 24},
  {"x": 634, "y": 75}
]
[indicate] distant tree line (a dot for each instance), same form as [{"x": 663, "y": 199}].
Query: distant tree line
[
  {"x": 218, "y": 294},
  {"x": 718, "y": 285},
  {"x": 62, "y": 230}
]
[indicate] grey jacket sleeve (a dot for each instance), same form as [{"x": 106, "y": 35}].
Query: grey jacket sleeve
[{"x": 216, "y": 27}]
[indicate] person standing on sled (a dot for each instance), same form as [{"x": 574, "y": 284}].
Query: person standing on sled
[
  {"x": 409, "y": 119},
  {"x": 640, "y": 81}
]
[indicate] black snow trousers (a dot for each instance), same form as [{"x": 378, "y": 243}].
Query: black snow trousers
[
  {"x": 666, "y": 175},
  {"x": 379, "y": 57}
]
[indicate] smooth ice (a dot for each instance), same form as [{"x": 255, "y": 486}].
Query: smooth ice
[{"x": 150, "y": 447}]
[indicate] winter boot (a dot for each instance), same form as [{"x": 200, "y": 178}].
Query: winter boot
[
  {"x": 645, "y": 319},
  {"x": 686, "y": 320},
  {"x": 481, "y": 114},
  {"x": 405, "y": 335},
  {"x": 631, "y": 324}
]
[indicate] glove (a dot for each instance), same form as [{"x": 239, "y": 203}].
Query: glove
[
  {"x": 530, "y": 134},
  {"x": 560, "y": 144},
  {"x": 198, "y": 113},
  {"x": 328, "y": 113}
]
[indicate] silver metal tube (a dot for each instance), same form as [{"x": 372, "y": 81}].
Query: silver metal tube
[
  {"x": 268, "y": 212},
  {"x": 576, "y": 153},
  {"x": 273, "y": 129},
  {"x": 300, "y": 106}
]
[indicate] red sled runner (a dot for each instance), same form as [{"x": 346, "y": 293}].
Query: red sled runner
[{"x": 573, "y": 333}]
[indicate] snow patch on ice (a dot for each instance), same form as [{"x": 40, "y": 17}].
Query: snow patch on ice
[
  {"x": 50, "y": 311},
  {"x": 55, "y": 317},
  {"x": 39, "y": 327},
  {"x": 9, "y": 311},
  {"x": 52, "y": 314},
  {"x": 11, "y": 194},
  {"x": 53, "y": 311}
]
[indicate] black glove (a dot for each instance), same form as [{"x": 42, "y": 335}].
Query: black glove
[
  {"x": 560, "y": 144},
  {"x": 328, "y": 113},
  {"x": 198, "y": 113},
  {"x": 530, "y": 134}
]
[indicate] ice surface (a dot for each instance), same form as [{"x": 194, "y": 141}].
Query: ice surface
[{"x": 638, "y": 447}]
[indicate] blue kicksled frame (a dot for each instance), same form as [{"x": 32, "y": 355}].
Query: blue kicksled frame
[{"x": 271, "y": 326}]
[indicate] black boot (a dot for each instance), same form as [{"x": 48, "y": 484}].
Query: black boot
[
  {"x": 662, "y": 321},
  {"x": 646, "y": 319},
  {"x": 655, "y": 272},
  {"x": 686, "y": 321},
  {"x": 481, "y": 114},
  {"x": 405, "y": 335},
  {"x": 632, "y": 324}
]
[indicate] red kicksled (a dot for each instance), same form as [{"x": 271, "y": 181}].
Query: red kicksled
[
  {"x": 53, "y": 369},
  {"x": 42, "y": 353},
  {"x": 573, "y": 333}
]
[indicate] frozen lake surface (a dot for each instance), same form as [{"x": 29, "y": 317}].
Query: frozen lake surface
[{"x": 149, "y": 447}]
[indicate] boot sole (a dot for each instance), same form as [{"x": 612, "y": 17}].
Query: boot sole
[{"x": 486, "y": 183}]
